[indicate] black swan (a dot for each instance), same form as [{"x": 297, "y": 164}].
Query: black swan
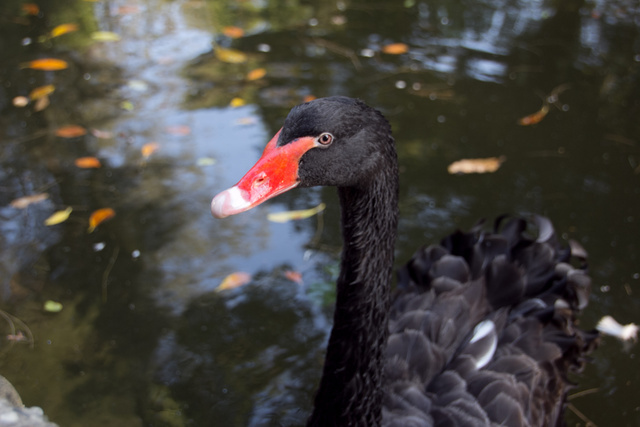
[{"x": 482, "y": 329}]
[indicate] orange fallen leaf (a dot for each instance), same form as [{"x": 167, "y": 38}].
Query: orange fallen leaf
[
  {"x": 489, "y": 164},
  {"x": 127, "y": 10},
  {"x": 58, "y": 217},
  {"x": 294, "y": 276},
  {"x": 256, "y": 74},
  {"x": 41, "y": 91},
  {"x": 63, "y": 29},
  {"x": 179, "y": 130},
  {"x": 98, "y": 217},
  {"x": 71, "y": 131},
  {"x": 308, "y": 98},
  {"x": 87, "y": 162},
  {"x": 536, "y": 117},
  {"x": 46, "y": 64},
  {"x": 395, "y": 48},
  {"x": 233, "y": 32},
  {"x": 149, "y": 148},
  {"x": 31, "y": 8},
  {"x": 25, "y": 201},
  {"x": 234, "y": 280}
]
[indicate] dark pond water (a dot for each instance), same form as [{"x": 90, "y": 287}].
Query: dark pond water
[{"x": 142, "y": 337}]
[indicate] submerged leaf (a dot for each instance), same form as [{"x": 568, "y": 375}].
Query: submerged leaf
[
  {"x": 489, "y": 164},
  {"x": 231, "y": 56},
  {"x": 234, "y": 280},
  {"x": 149, "y": 148},
  {"x": 237, "y": 102},
  {"x": 87, "y": 162},
  {"x": 41, "y": 91},
  {"x": 395, "y": 48},
  {"x": 295, "y": 215},
  {"x": 98, "y": 217},
  {"x": 58, "y": 217},
  {"x": 536, "y": 117},
  {"x": 102, "y": 134},
  {"x": 256, "y": 74},
  {"x": 71, "y": 131},
  {"x": 46, "y": 64},
  {"x": 31, "y": 8},
  {"x": 25, "y": 201},
  {"x": 233, "y": 32},
  {"x": 105, "y": 36},
  {"x": 52, "y": 306},
  {"x": 63, "y": 29}
]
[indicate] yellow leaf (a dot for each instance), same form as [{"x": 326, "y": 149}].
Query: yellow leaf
[
  {"x": 87, "y": 163},
  {"x": 233, "y": 32},
  {"x": 256, "y": 74},
  {"x": 71, "y": 131},
  {"x": 206, "y": 161},
  {"x": 41, "y": 91},
  {"x": 52, "y": 306},
  {"x": 25, "y": 201},
  {"x": 98, "y": 217},
  {"x": 395, "y": 48},
  {"x": 234, "y": 280},
  {"x": 127, "y": 105},
  {"x": 46, "y": 64},
  {"x": 231, "y": 56},
  {"x": 489, "y": 164},
  {"x": 294, "y": 215},
  {"x": 149, "y": 148},
  {"x": 63, "y": 29},
  {"x": 58, "y": 217},
  {"x": 105, "y": 36},
  {"x": 237, "y": 102}
]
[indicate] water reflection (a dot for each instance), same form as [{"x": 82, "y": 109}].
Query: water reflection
[{"x": 143, "y": 337}]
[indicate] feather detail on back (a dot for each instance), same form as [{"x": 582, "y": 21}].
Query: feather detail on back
[{"x": 483, "y": 330}]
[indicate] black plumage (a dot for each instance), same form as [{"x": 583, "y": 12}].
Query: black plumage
[{"x": 482, "y": 329}]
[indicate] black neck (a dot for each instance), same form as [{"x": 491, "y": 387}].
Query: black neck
[{"x": 350, "y": 392}]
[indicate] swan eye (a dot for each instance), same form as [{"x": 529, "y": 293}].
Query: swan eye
[{"x": 325, "y": 139}]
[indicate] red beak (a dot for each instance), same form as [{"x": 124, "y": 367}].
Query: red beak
[{"x": 275, "y": 172}]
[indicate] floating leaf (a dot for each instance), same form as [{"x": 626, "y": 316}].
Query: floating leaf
[
  {"x": 246, "y": 121},
  {"x": 41, "y": 104},
  {"x": 52, "y": 306},
  {"x": 58, "y": 217},
  {"x": 395, "y": 48},
  {"x": 231, "y": 56},
  {"x": 237, "y": 102},
  {"x": 102, "y": 134},
  {"x": 149, "y": 148},
  {"x": 127, "y": 10},
  {"x": 179, "y": 130},
  {"x": 127, "y": 105},
  {"x": 46, "y": 64},
  {"x": 87, "y": 162},
  {"x": 295, "y": 215},
  {"x": 41, "y": 91},
  {"x": 609, "y": 326},
  {"x": 105, "y": 36},
  {"x": 31, "y": 8},
  {"x": 256, "y": 74},
  {"x": 98, "y": 217},
  {"x": 25, "y": 201},
  {"x": 63, "y": 29},
  {"x": 206, "y": 161},
  {"x": 308, "y": 98},
  {"x": 536, "y": 117},
  {"x": 138, "y": 85},
  {"x": 233, "y": 32},
  {"x": 294, "y": 276},
  {"x": 71, "y": 131},
  {"x": 234, "y": 280},
  {"x": 20, "y": 101},
  {"x": 489, "y": 164}
]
